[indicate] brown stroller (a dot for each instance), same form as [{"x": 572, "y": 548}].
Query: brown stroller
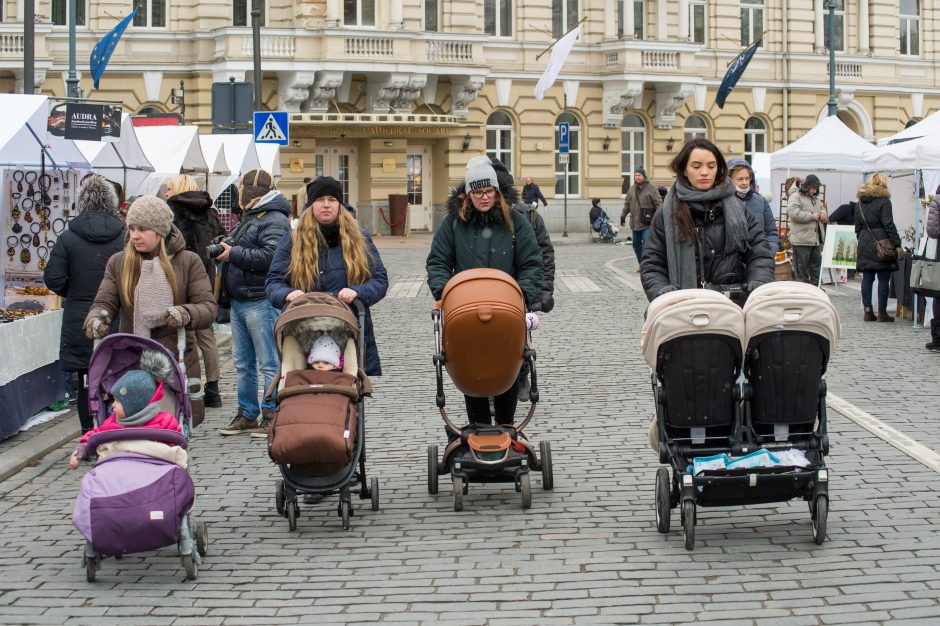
[
  {"x": 481, "y": 338},
  {"x": 317, "y": 438}
]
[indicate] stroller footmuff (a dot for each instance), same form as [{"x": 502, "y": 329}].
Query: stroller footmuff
[
  {"x": 317, "y": 438},
  {"x": 139, "y": 495},
  {"x": 481, "y": 339},
  {"x": 740, "y": 407}
]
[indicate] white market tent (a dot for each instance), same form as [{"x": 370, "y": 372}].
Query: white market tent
[
  {"x": 214, "y": 154},
  {"x": 240, "y": 157},
  {"x": 833, "y": 152},
  {"x": 122, "y": 162},
  {"x": 269, "y": 155},
  {"x": 171, "y": 150},
  {"x": 23, "y": 134},
  {"x": 930, "y": 125}
]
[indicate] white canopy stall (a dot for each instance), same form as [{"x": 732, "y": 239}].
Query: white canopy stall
[
  {"x": 171, "y": 150},
  {"x": 240, "y": 157},
  {"x": 23, "y": 135},
  {"x": 833, "y": 152},
  {"x": 123, "y": 162},
  {"x": 269, "y": 155}
]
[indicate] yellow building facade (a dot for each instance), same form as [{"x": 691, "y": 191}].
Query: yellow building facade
[{"x": 394, "y": 96}]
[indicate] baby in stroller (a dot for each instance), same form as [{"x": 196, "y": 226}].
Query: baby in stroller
[{"x": 600, "y": 222}]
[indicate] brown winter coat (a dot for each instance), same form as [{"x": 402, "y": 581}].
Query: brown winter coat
[
  {"x": 643, "y": 195},
  {"x": 194, "y": 293}
]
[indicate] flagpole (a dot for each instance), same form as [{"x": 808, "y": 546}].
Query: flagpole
[
  {"x": 256, "y": 51},
  {"x": 538, "y": 56},
  {"x": 71, "y": 83}
]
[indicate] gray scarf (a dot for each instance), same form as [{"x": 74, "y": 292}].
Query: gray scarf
[
  {"x": 680, "y": 256},
  {"x": 153, "y": 295},
  {"x": 141, "y": 417}
]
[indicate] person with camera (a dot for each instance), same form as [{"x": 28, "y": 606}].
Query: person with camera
[
  {"x": 199, "y": 223},
  {"x": 246, "y": 256},
  {"x": 640, "y": 203},
  {"x": 703, "y": 236}
]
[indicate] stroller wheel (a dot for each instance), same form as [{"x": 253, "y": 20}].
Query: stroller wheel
[
  {"x": 432, "y": 470},
  {"x": 525, "y": 488},
  {"x": 192, "y": 570},
  {"x": 293, "y": 510},
  {"x": 344, "y": 513},
  {"x": 458, "y": 493},
  {"x": 545, "y": 452},
  {"x": 202, "y": 538},
  {"x": 820, "y": 516},
  {"x": 279, "y": 497},
  {"x": 688, "y": 523},
  {"x": 91, "y": 567},
  {"x": 662, "y": 500},
  {"x": 374, "y": 492}
]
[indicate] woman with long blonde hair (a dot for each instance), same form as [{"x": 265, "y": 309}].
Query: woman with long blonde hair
[
  {"x": 157, "y": 286},
  {"x": 330, "y": 252},
  {"x": 874, "y": 220}
]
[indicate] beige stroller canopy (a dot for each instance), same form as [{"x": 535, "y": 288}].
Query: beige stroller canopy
[{"x": 793, "y": 306}]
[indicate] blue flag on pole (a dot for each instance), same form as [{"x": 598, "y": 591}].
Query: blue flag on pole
[
  {"x": 735, "y": 69},
  {"x": 101, "y": 53}
]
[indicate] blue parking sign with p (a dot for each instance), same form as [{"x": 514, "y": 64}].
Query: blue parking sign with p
[{"x": 563, "y": 138}]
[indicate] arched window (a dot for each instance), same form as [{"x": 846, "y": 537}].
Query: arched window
[
  {"x": 573, "y": 168},
  {"x": 150, "y": 110},
  {"x": 633, "y": 140},
  {"x": 911, "y": 122},
  {"x": 755, "y": 137},
  {"x": 695, "y": 126},
  {"x": 499, "y": 137}
]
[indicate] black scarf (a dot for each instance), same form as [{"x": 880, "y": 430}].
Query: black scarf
[{"x": 330, "y": 233}]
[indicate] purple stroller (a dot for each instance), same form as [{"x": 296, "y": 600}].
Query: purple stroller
[{"x": 132, "y": 501}]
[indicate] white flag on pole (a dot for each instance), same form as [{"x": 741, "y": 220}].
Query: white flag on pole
[{"x": 560, "y": 52}]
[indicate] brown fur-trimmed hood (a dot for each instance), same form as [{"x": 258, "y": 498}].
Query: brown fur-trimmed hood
[{"x": 873, "y": 191}]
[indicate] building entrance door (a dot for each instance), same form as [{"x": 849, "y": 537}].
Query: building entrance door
[
  {"x": 340, "y": 163},
  {"x": 419, "y": 187}
]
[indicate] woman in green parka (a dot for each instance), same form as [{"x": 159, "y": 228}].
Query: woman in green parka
[{"x": 479, "y": 231}]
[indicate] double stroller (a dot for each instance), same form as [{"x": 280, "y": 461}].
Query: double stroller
[
  {"x": 139, "y": 495},
  {"x": 481, "y": 339},
  {"x": 317, "y": 438},
  {"x": 740, "y": 399}
]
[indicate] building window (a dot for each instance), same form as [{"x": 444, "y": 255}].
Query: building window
[
  {"x": 752, "y": 21},
  {"x": 359, "y": 12},
  {"x": 633, "y": 140},
  {"x": 638, "y": 15},
  {"x": 695, "y": 127},
  {"x": 910, "y": 27},
  {"x": 241, "y": 12},
  {"x": 431, "y": 16},
  {"x": 415, "y": 187},
  {"x": 840, "y": 25},
  {"x": 574, "y": 161},
  {"x": 697, "y": 21},
  {"x": 755, "y": 138},
  {"x": 60, "y": 13},
  {"x": 152, "y": 13},
  {"x": 499, "y": 138},
  {"x": 564, "y": 16},
  {"x": 497, "y": 17}
]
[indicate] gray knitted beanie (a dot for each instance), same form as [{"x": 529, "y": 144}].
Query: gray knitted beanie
[{"x": 152, "y": 213}]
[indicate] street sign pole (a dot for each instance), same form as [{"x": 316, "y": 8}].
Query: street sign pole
[{"x": 564, "y": 144}]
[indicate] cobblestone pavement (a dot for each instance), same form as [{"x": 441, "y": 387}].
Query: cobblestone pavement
[{"x": 586, "y": 552}]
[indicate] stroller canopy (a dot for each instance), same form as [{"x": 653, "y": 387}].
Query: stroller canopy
[
  {"x": 790, "y": 305},
  {"x": 315, "y": 312},
  {"x": 688, "y": 312}
]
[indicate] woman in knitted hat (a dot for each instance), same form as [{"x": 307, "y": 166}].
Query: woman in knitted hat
[
  {"x": 330, "y": 252},
  {"x": 75, "y": 269},
  {"x": 479, "y": 230},
  {"x": 156, "y": 285},
  {"x": 703, "y": 236},
  {"x": 199, "y": 223}
]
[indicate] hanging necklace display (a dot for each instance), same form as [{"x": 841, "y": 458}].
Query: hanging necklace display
[
  {"x": 35, "y": 228},
  {"x": 15, "y": 214},
  {"x": 12, "y": 240},
  {"x": 30, "y": 179},
  {"x": 25, "y": 256},
  {"x": 18, "y": 179},
  {"x": 43, "y": 253},
  {"x": 43, "y": 213},
  {"x": 45, "y": 188},
  {"x": 58, "y": 226},
  {"x": 27, "y": 215}
]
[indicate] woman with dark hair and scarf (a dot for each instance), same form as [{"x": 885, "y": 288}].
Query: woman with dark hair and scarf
[{"x": 703, "y": 236}]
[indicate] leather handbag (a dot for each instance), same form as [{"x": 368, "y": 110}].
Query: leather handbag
[{"x": 883, "y": 247}]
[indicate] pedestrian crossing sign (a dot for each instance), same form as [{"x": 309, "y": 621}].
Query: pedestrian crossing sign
[{"x": 271, "y": 127}]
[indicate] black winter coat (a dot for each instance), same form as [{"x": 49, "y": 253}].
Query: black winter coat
[
  {"x": 876, "y": 210},
  {"x": 754, "y": 266},
  {"x": 75, "y": 269},
  {"x": 546, "y": 300},
  {"x": 250, "y": 258},
  {"x": 199, "y": 222}
]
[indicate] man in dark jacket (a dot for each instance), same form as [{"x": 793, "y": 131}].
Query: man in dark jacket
[
  {"x": 75, "y": 269},
  {"x": 265, "y": 221},
  {"x": 531, "y": 192},
  {"x": 640, "y": 203},
  {"x": 845, "y": 214}
]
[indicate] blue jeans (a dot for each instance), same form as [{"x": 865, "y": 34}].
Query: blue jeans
[
  {"x": 639, "y": 238},
  {"x": 253, "y": 349},
  {"x": 868, "y": 281}
]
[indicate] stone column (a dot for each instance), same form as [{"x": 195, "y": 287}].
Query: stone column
[
  {"x": 662, "y": 25},
  {"x": 396, "y": 21},
  {"x": 683, "y": 20},
  {"x": 629, "y": 24},
  {"x": 610, "y": 19},
  {"x": 819, "y": 43},
  {"x": 863, "y": 46},
  {"x": 333, "y": 16}
]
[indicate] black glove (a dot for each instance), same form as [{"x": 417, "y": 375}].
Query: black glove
[
  {"x": 623, "y": 222},
  {"x": 752, "y": 285},
  {"x": 548, "y": 302},
  {"x": 666, "y": 290}
]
